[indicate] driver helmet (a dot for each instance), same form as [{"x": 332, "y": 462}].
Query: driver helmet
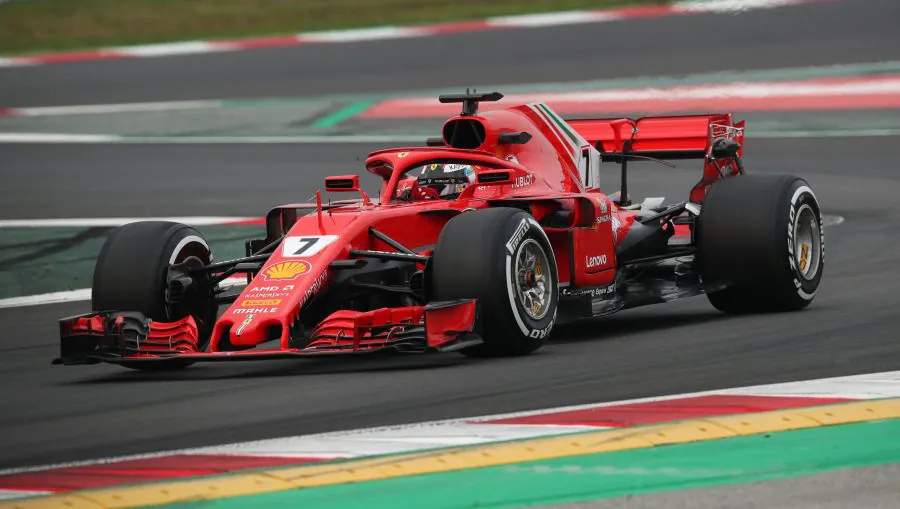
[{"x": 448, "y": 180}]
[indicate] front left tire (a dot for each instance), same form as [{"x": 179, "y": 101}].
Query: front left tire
[{"x": 130, "y": 275}]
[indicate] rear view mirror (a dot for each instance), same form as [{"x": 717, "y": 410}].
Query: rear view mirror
[
  {"x": 342, "y": 183},
  {"x": 345, "y": 184}
]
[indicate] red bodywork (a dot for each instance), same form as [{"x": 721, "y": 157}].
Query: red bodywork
[{"x": 555, "y": 170}]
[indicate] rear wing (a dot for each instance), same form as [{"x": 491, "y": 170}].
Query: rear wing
[
  {"x": 676, "y": 137},
  {"x": 672, "y": 137}
]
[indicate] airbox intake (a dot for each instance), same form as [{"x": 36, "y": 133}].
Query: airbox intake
[{"x": 464, "y": 133}]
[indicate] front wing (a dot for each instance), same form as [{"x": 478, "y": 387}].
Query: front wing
[{"x": 132, "y": 338}]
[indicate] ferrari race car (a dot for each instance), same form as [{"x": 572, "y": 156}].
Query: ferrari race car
[{"x": 481, "y": 241}]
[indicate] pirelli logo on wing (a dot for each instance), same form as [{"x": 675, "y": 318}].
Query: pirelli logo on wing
[{"x": 260, "y": 302}]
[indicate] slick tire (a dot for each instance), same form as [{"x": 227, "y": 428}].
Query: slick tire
[
  {"x": 761, "y": 244},
  {"x": 130, "y": 275},
  {"x": 502, "y": 258}
]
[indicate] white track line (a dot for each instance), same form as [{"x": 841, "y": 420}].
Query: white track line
[
  {"x": 732, "y": 6},
  {"x": 46, "y": 298},
  {"x": 552, "y": 19},
  {"x": 94, "y": 109},
  {"x": 391, "y": 440},
  {"x": 170, "y": 48},
  {"x": 363, "y": 34},
  {"x": 80, "y": 294},
  {"x": 117, "y": 221},
  {"x": 13, "y": 494},
  {"x": 11, "y": 62},
  {"x": 58, "y": 138}
]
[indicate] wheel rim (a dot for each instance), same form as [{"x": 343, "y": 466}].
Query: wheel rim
[
  {"x": 533, "y": 284},
  {"x": 807, "y": 243}
]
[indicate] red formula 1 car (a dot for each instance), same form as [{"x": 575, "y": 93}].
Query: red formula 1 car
[{"x": 481, "y": 242}]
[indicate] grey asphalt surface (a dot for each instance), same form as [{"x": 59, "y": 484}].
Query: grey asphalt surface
[
  {"x": 820, "y": 34},
  {"x": 72, "y": 413},
  {"x": 863, "y": 488},
  {"x": 52, "y": 414},
  {"x": 169, "y": 180}
]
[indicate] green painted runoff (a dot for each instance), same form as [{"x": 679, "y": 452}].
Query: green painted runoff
[{"x": 591, "y": 477}]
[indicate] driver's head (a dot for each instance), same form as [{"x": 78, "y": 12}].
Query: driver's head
[{"x": 448, "y": 180}]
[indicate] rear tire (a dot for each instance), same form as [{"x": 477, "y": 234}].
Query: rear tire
[
  {"x": 130, "y": 275},
  {"x": 502, "y": 257},
  {"x": 760, "y": 242}
]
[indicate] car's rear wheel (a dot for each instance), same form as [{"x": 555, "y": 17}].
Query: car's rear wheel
[
  {"x": 502, "y": 257},
  {"x": 130, "y": 275},
  {"x": 761, "y": 244}
]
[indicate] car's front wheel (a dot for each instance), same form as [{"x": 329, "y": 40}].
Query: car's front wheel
[
  {"x": 502, "y": 257},
  {"x": 130, "y": 275}
]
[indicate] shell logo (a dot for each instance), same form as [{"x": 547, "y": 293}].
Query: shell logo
[{"x": 286, "y": 270}]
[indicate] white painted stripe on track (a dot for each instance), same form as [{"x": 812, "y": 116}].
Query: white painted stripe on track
[
  {"x": 94, "y": 109},
  {"x": 80, "y": 294},
  {"x": 46, "y": 298},
  {"x": 731, "y": 5},
  {"x": 14, "y": 494},
  {"x": 168, "y": 49},
  {"x": 868, "y": 386},
  {"x": 828, "y": 133},
  {"x": 359, "y": 442},
  {"x": 389, "y": 440},
  {"x": 362, "y": 34},
  {"x": 58, "y": 138},
  {"x": 15, "y": 62},
  {"x": 552, "y": 19},
  {"x": 117, "y": 221}
]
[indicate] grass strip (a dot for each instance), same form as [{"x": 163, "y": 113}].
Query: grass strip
[{"x": 45, "y": 25}]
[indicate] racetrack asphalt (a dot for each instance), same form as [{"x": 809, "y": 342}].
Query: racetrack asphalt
[
  {"x": 52, "y": 414},
  {"x": 72, "y": 413}
]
